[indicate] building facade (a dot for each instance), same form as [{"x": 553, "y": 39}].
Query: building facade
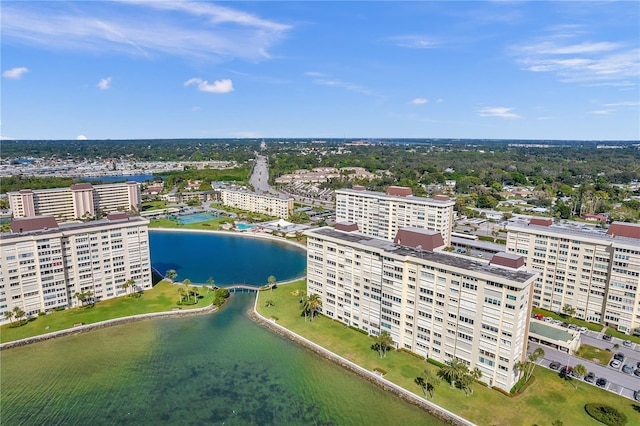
[
  {"x": 382, "y": 214},
  {"x": 79, "y": 201},
  {"x": 43, "y": 265},
  {"x": 257, "y": 203},
  {"x": 596, "y": 273},
  {"x": 436, "y": 304}
]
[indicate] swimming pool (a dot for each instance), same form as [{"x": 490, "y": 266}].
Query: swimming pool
[
  {"x": 244, "y": 226},
  {"x": 188, "y": 219}
]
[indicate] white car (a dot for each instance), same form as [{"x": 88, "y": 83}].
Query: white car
[
  {"x": 615, "y": 364},
  {"x": 627, "y": 343},
  {"x": 583, "y": 329}
]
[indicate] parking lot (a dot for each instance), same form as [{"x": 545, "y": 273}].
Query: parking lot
[{"x": 617, "y": 381}]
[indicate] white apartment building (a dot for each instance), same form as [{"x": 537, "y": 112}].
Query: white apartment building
[
  {"x": 436, "y": 304},
  {"x": 596, "y": 273},
  {"x": 382, "y": 214},
  {"x": 76, "y": 202},
  {"x": 281, "y": 207},
  {"x": 43, "y": 264}
]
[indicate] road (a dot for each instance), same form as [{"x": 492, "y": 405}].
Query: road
[
  {"x": 618, "y": 382},
  {"x": 260, "y": 176}
]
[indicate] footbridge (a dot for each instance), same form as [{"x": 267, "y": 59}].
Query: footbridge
[{"x": 242, "y": 287}]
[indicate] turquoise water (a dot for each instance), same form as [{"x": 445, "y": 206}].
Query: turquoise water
[
  {"x": 244, "y": 226},
  {"x": 228, "y": 259},
  {"x": 188, "y": 219},
  {"x": 219, "y": 368}
]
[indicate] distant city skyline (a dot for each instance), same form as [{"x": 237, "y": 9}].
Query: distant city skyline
[{"x": 469, "y": 70}]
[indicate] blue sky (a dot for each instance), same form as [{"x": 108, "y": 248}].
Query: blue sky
[{"x": 169, "y": 69}]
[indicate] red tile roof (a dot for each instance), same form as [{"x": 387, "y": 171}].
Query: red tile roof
[
  {"x": 418, "y": 237},
  {"x": 622, "y": 229},
  {"x": 540, "y": 221},
  {"x": 507, "y": 259},
  {"x": 347, "y": 226},
  {"x": 35, "y": 223},
  {"x": 401, "y": 191}
]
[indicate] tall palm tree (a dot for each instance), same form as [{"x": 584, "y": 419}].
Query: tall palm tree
[
  {"x": 305, "y": 305},
  {"x": 18, "y": 313},
  {"x": 383, "y": 341},
  {"x": 8, "y": 315},
  {"x": 271, "y": 280},
  {"x": 469, "y": 379},
  {"x": 431, "y": 380},
  {"x": 315, "y": 302},
  {"x": 128, "y": 284},
  {"x": 453, "y": 371},
  {"x": 580, "y": 371},
  {"x": 186, "y": 283}
]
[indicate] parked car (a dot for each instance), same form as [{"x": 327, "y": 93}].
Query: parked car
[
  {"x": 627, "y": 343},
  {"x": 590, "y": 378},
  {"x": 572, "y": 327},
  {"x": 583, "y": 329},
  {"x": 615, "y": 364},
  {"x": 636, "y": 395},
  {"x": 606, "y": 337},
  {"x": 619, "y": 356},
  {"x": 538, "y": 317},
  {"x": 627, "y": 368},
  {"x": 548, "y": 319},
  {"x": 566, "y": 370},
  {"x": 555, "y": 365},
  {"x": 637, "y": 372},
  {"x": 602, "y": 382}
]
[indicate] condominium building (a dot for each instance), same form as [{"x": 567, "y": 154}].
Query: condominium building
[
  {"x": 281, "y": 207},
  {"x": 43, "y": 265},
  {"x": 382, "y": 214},
  {"x": 596, "y": 273},
  {"x": 436, "y": 304},
  {"x": 79, "y": 201}
]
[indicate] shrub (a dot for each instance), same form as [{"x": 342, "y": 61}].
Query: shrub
[
  {"x": 41, "y": 314},
  {"x": 520, "y": 385},
  {"x": 606, "y": 414},
  {"x": 485, "y": 238},
  {"x": 407, "y": 351},
  {"x": 380, "y": 370},
  {"x": 434, "y": 362},
  {"x": 359, "y": 330}
]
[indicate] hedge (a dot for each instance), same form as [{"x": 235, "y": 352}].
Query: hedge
[{"x": 606, "y": 414}]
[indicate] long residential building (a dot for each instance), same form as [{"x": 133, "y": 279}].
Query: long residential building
[
  {"x": 281, "y": 207},
  {"x": 381, "y": 214},
  {"x": 44, "y": 265},
  {"x": 80, "y": 201},
  {"x": 437, "y": 304},
  {"x": 595, "y": 273}
]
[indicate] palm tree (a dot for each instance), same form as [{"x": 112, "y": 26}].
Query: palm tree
[
  {"x": 171, "y": 274},
  {"x": 18, "y": 313},
  {"x": 304, "y": 299},
  {"x": 187, "y": 289},
  {"x": 383, "y": 341},
  {"x": 211, "y": 282},
  {"x": 81, "y": 297},
  {"x": 314, "y": 302},
  {"x": 128, "y": 283},
  {"x": 569, "y": 310},
  {"x": 8, "y": 315},
  {"x": 580, "y": 371},
  {"x": 427, "y": 382},
  {"x": 268, "y": 303},
  {"x": 469, "y": 379},
  {"x": 271, "y": 280},
  {"x": 453, "y": 371}
]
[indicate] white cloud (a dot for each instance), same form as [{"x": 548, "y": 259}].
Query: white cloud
[
  {"x": 218, "y": 86},
  {"x": 143, "y": 28},
  {"x": 500, "y": 112},
  {"x": 603, "y": 112},
  {"x": 104, "y": 83},
  {"x": 581, "y": 61},
  {"x": 81, "y": 138},
  {"x": 323, "y": 80},
  {"x": 15, "y": 73},
  {"x": 618, "y": 104},
  {"x": 414, "y": 41},
  {"x": 419, "y": 101}
]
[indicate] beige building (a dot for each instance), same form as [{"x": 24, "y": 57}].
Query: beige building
[
  {"x": 382, "y": 214},
  {"x": 436, "y": 304},
  {"x": 596, "y": 273},
  {"x": 43, "y": 265},
  {"x": 76, "y": 202},
  {"x": 257, "y": 203}
]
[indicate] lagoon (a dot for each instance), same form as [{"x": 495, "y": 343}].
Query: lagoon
[
  {"x": 228, "y": 259},
  {"x": 219, "y": 368}
]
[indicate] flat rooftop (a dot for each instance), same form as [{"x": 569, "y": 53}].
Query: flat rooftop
[
  {"x": 413, "y": 198},
  {"x": 442, "y": 258},
  {"x": 551, "y": 333}
]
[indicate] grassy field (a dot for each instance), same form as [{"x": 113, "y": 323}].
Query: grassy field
[
  {"x": 210, "y": 225},
  {"x": 154, "y": 205},
  {"x": 594, "y": 354},
  {"x": 162, "y": 297},
  {"x": 547, "y": 399}
]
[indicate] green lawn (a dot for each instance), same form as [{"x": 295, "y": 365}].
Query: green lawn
[
  {"x": 154, "y": 205},
  {"x": 210, "y": 225},
  {"x": 548, "y": 399},
  {"x": 619, "y": 335},
  {"x": 580, "y": 323},
  {"x": 594, "y": 354},
  {"x": 162, "y": 297}
]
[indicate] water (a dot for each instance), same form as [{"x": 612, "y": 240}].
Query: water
[
  {"x": 228, "y": 259},
  {"x": 244, "y": 226},
  {"x": 219, "y": 368}
]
